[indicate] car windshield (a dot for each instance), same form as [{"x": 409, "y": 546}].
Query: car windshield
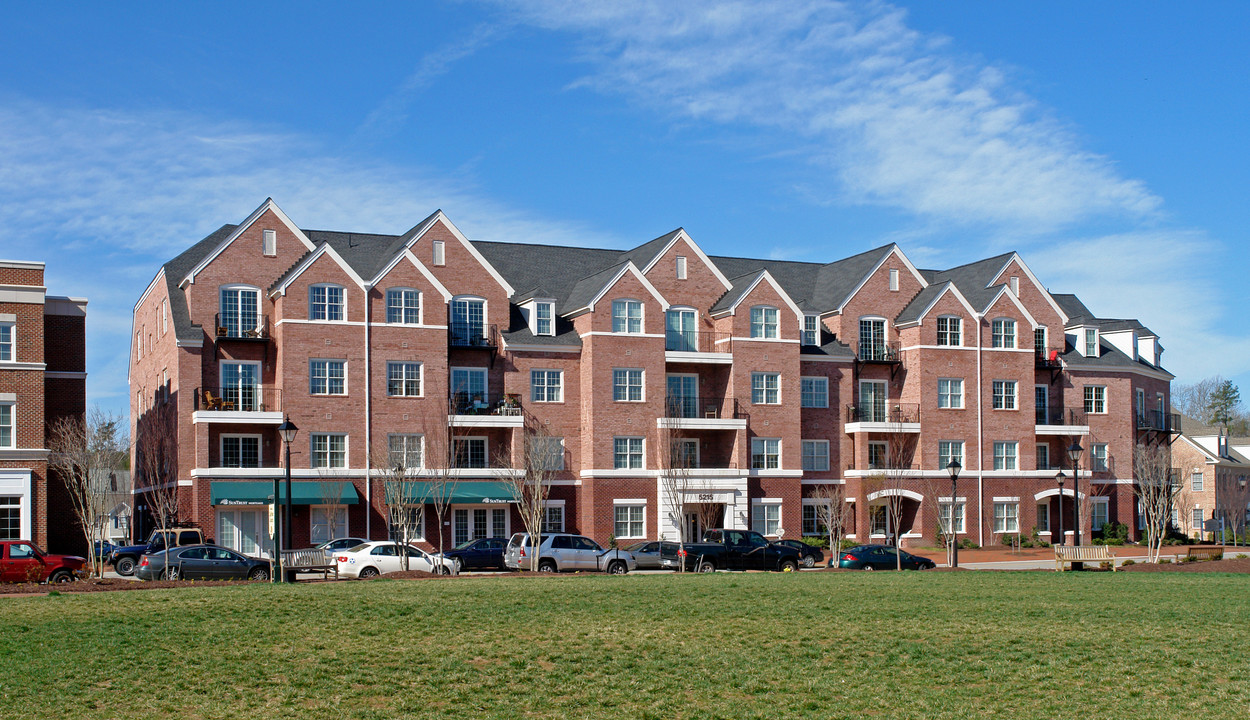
[
  {"x": 464, "y": 545},
  {"x": 636, "y": 547}
]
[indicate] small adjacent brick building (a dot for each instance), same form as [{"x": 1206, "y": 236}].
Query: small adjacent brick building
[
  {"x": 774, "y": 378},
  {"x": 42, "y": 377},
  {"x": 1213, "y": 469}
]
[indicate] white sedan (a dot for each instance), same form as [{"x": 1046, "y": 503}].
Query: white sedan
[{"x": 376, "y": 558}]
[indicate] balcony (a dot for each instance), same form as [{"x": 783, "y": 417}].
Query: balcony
[
  {"x": 473, "y": 335},
  {"x": 257, "y": 404},
  {"x": 1061, "y": 421},
  {"x": 253, "y": 328},
  {"x": 879, "y": 352},
  {"x": 1159, "y": 421},
  {"x": 883, "y": 417},
  {"x": 1047, "y": 358},
  {"x": 687, "y": 412},
  {"x": 474, "y": 409},
  {"x": 698, "y": 346}
]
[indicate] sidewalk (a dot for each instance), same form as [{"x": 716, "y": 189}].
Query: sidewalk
[{"x": 1002, "y": 558}]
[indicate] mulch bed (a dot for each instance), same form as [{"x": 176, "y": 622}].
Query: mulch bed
[
  {"x": 1231, "y": 565},
  {"x": 110, "y": 585}
]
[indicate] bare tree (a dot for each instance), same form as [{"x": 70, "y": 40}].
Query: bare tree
[
  {"x": 397, "y": 468},
  {"x": 155, "y": 472},
  {"x": 541, "y": 457},
  {"x": 833, "y": 513},
  {"x": 680, "y": 461},
  {"x": 330, "y": 499},
  {"x": 889, "y": 483},
  {"x": 946, "y": 535},
  {"x": 1194, "y": 399},
  {"x": 88, "y": 453},
  {"x": 443, "y": 462}
]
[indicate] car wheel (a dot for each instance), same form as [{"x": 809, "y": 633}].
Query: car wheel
[
  {"x": 170, "y": 574},
  {"x": 547, "y": 566},
  {"x": 260, "y": 573},
  {"x": 459, "y": 566},
  {"x": 869, "y": 567},
  {"x": 789, "y": 566},
  {"x": 444, "y": 570},
  {"x": 706, "y": 566},
  {"x": 369, "y": 572},
  {"x": 809, "y": 562},
  {"x": 60, "y": 577},
  {"x": 616, "y": 567},
  {"x": 928, "y": 566},
  {"x": 125, "y": 566}
]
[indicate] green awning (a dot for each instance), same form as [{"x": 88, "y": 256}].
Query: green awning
[
  {"x": 303, "y": 492},
  {"x": 466, "y": 492}
]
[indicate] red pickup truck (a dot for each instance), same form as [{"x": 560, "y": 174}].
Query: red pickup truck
[{"x": 23, "y": 561}]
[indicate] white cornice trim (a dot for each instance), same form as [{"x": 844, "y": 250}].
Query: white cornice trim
[
  {"x": 950, "y": 287},
  {"x": 762, "y": 276},
  {"x": 22, "y": 366},
  {"x": 269, "y": 204},
  {"x": 25, "y": 294},
  {"x": 324, "y": 249},
  {"x": 628, "y": 267},
  {"x": 22, "y": 454},
  {"x": 22, "y": 264},
  {"x": 1004, "y": 290}
]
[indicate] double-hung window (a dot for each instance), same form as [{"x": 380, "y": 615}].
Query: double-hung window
[
  {"x": 1006, "y": 517},
  {"x": 553, "y": 519},
  {"x": 546, "y": 385},
  {"x": 950, "y": 393},
  {"x": 1091, "y": 342},
  {"x": 766, "y": 518},
  {"x": 1095, "y": 399},
  {"x": 815, "y": 392},
  {"x": 403, "y": 379},
  {"x": 816, "y": 455},
  {"x": 811, "y": 329},
  {"x": 765, "y": 453},
  {"x": 1005, "y": 456},
  {"x": 469, "y": 452},
  {"x": 240, "y": 451},
  {"x": 405, "y": 450},
  {"x": 1004, "y": 394},
  {"x": 329, "y": 450},
  {"x": 6, "y": 425},
  {"x": 1197, "y": 479},
  {"x": 949, "y": 450},
  {"x": 627, "y": 385},
  {"x": 1098, "y": 457},
  {"x": 949, "y": 331},
  {"x": 944, "y": 516},
  {"x": 1003, "y": 333},
  {"x": 548, "y": 452},
  {"x": 1097, "y": 514},
  {"x": 627, "y": 453},
  {"x": 327, "y": 377},
  {"x": 628, "y": 521},
  {"x": 764, "y": 322},
  {"x": 403, "y": 306},
  {"x": 325, "y": 302},
  {"x": 626, "y": 316},
  {"x": 765, "y": 388},
  {"x": 6, "y": 342},
  {"x": 544, "y": 323}
]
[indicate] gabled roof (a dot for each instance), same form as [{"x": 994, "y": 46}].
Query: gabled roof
[
  {"x": 324, "y": 249},
  {"x": 1028, "y": 273},
  {"x": 268, "y": 206},
  {"x": 974, "y": 279},
  {"x": 657, "y": 250},
  {"x": 1073, "y": 308},
  {"x": 422, "y": 228},
  {"x": 924, "y": 301},
  {"x": 175, "y": 270},
  {"x": 590, "y": 289},
  {"x": 741, "y": 288},
  {"x": 1110, "y": 359}
]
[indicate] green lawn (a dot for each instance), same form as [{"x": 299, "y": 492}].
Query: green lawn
[{"x": 811, "y": 645}]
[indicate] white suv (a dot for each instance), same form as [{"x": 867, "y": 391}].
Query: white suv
[{"x": 562, "y": 551}]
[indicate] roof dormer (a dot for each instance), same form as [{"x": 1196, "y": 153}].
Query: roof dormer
[
  {"x": 540, "y": 315},
  {"x": 1086, "y": 341}
]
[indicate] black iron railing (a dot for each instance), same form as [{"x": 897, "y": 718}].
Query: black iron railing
[
  {"x": 691, "y": 407},
  {"x": 879, "y": 352},
  {"x": 706, "y": 341},
  {"x": 884, "y": 413},
  {"x": 477, "y": 403},
  {"x": 473, "y": 335},
  {"x": 253, "y": 327},
  {"x": 239, "y": 398},
  {"x": 1159, "y": 421},
  {"x": 1047, "y": 357},
  {"x": 1061, "y": 416}
]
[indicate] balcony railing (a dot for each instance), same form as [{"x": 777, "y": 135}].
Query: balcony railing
[
  {"x": 1047, "y": 357},
  {"x": 883, "y": 413},
  {"x": 239, "y": 398},
  {"x": 246, "y": 328},
  {"x": 1061, "y": 416},
  {"x": 476, "y": 403},
  {"x": 706, "y": 341},
  {"x": 473, "y": 335},
  {"x": 1159, "y": 421},
  {"x": 690, "y": 407},
  {"x": 879, "y": 352}
]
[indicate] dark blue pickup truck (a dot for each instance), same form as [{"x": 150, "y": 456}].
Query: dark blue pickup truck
[{"x": 739, "y": 550}]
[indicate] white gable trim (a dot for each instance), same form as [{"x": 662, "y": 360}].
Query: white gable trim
[
  {"x": 698, "y": 251},
  {"x": 425, "y": 272},
  {"x": 950, "y": 288},
  {"x": 1016, "y": 301},
  {"x": 894, "y": 250},
  {"x": 148, "y": 290},
  {"x": 1015, "y": 257},
  {"x": 455, "y": 231},
  {"x": 268, "y": 205},
  {"x": 629, "y": 267},
  {"x": 764, "y": 275},
  {"x": 324, "y": 249}
]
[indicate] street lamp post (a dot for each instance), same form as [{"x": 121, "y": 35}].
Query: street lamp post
[
  {"x": 288, "y": 431},
  {"x": 1074, "y": 453},
  {"x": 1059, "y": 478},
  {"x": 953, "y": 468}
]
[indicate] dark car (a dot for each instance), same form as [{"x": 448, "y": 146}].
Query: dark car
[
  {"x": 103, "y": 548},
  {"x": 332, "y": 546},
  {"x": 726, "y": 549},
  {"x": 881, "y": 557},
  {"x": 480, "y": 554},
  {"x": 809, "y": 556},
  {"x": 201, "y": 562},
  {"x": 655, "y": 555}
]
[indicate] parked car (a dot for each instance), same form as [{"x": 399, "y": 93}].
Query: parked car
[
  {"x": 655, "y": 554},
  {"x": 103, "y": 548},
  {"x": 881, "y": 557},
  {"x": 563, "y": 551},
  {"x": 739, "y": 550},
  {"x": 201, "y": 562},
  {"x": 378, "y": 558},
  {"x": 480, "y": 554},
  {"x": 124, "y": 559},
  {"x": 809, "y": 556},
  {"x": 332, "y": 546},
  {"x": 23, "y": 561}
]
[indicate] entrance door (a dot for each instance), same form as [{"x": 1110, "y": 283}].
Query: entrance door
[
  {"x": 475, "y": 523},
  {"x": 1041, "y": 402},
  {"x": 680, "y": 333},
  {"x": 245, "y": 531},
  {"x": 240, "y": 385},
  {"x": 683, "y": 396},
  {"x": 872, "y": 401}
]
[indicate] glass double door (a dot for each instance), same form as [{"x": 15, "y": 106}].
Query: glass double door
[
  {"x": 872, "y": 399},
  {"x": 245, "y": 531},
  {"x": 474, "y": 523},
  {"x": 679, "y": 331},
  {"x": 240, "y": 386},
  {"x": 683, "y": 396}
]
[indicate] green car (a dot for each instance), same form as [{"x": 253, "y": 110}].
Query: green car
[{"x": 881, "y": 557}]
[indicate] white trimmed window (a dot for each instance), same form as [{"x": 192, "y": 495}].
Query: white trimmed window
[
  {"x": 629, "y": 520},
  {"x": 406, "y": 450},
  {"x": 627, "y": 385},
  {"x": 1006, "y": 517},
  {"x": 238, "y": 314},
  {"x": 11, "y": 517},
  {"x": 1196, "y": 520},
  {"x": 811, "y": 329},
  {"x": 415, "y": 525},
  {"x": 950, "y": 450},
  {"x": 544, "y": 318},
  {"x": 944, "y": 516},
  {"x": 329, "y": 450},
  {"x": 240, "y": 451},
  {"x": 548, "y": 452},
  {"x": 468, "y": 321},
  {"x": 765, "y": 388},
  {"x": 1091, "y": 342},
  {"x": 269, "y": 242},
  {"x": 1004, "y": 394},
  {"x": 469, "y": 452},
  {"x": 1197, "y": 479},
  {"x": 878, "y": 521},
  {"x": 1043, "y": 457},
  {"x": 949, "y": 331},
  {"x": 626, "y": 316},
  {"x": 812, "y": 517},
  {"x": 403, "y": 379},
  {"x": 627, "y": 453},
  {"x": 553, "y": 518},
  {"x": 327, "y": 377},
  {"x": 1098, "y": 513},
  {"x": 893, "y": 280},
  {"x": 1039, "y": 339},
  {"x": 403, "y": 306},
  {"x": 816, "y": 455},
  {"x": 1003, "y": 333},
  {"x": 1005, "y": 456},
  {"x": 1096, "y": 399},
  {"x": 325, "y": 302},
  {"x": 815, "y": 392},
  {"x": 438, "y": 252},
  {"x": 765, "y": 453},
  {"x": 327, "y": 522},
  {"x": 764, "y": 322},
  {"x": 878, "y": 453},
  {"x": 1043, "y": 517},
  {"x": 547, "y": 385},
  {"x": 950, "y": 393},
  {"x": 1098, "y": 457},
  {"x": 7, "y": 436},
  {"x": 766, "y": 517},
  {"x": 7, "y": 335}
]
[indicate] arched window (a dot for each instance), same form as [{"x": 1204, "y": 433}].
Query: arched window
[{"x": 239, "y": 314}]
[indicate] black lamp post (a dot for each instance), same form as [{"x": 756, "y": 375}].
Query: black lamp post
[
  {"x": 953, "y": 467},
  {"x": 1059, "y": 478},
  {"x": 288, "y": 431},
  {"x": 1074, "y": 453}
]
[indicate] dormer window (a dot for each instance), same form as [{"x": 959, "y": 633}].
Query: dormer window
[
  {"x": 325, "y": 302},
  {"x": 893, "y": 280},
  {"x": 438, "y": 252},
  {"x": 1091, "y": 342},
  {"x": 269, "y": 242},
  {"x": 1003, "y": 333},
  {"x": 811, "y": 330},
  {"x": 764, "y": 322},
  {"x": 681, "y": 267},
  {"x": 544, "y": 323}
]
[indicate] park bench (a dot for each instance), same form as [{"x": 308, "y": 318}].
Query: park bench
[
  {"x": 1068, "y": 554},
  {"x": 309, "y": 560},
  {"x": 1205, "y": 552}
]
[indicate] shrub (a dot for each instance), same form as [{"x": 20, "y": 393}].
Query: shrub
[
  {"x": 1126, "y": 563},
  {"x": 1218, "y": 556},
  {"x": 1242, "y": 556},
  {"x": 967, "y": 544},
  {"x": 1189, "y": 559},
  {"x": 1008, "y": 540},
  {"x": 820, "y": 542},
  {"x": 1026, "y": 542},
  {"x": 1165, "y": 561}
]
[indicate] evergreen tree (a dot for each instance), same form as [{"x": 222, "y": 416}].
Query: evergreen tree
[{"x": 1224, "y": 401}]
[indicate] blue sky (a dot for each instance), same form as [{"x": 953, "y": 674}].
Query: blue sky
[{"x": 1104, "y": 141}]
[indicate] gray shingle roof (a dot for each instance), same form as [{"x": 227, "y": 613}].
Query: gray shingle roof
[
  {"x": 973, "y": 279},
  {"x": 738, "y": 287},
  {"x": 913, "y": 311},
  {"x": 176, "y": 270}
]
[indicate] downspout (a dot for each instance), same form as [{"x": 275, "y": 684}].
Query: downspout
[
  {"x": 368, "y": 421},
  {"x": 980, "y": 446}
]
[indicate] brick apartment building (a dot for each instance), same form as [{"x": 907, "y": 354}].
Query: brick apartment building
[
  {"x": 776, "y": 377},
  {"x": 1213, "y": 469},
  {"x": 42, "y": 377}
]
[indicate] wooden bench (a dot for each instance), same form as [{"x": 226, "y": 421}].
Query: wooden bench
[
  {"x": 309, "y": 560},
  {"x": 1068, "y": 554},
  {"x": 1205, "y": 552}
]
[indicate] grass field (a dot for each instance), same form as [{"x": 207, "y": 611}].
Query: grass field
[{"x": 811, "y": 645}]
